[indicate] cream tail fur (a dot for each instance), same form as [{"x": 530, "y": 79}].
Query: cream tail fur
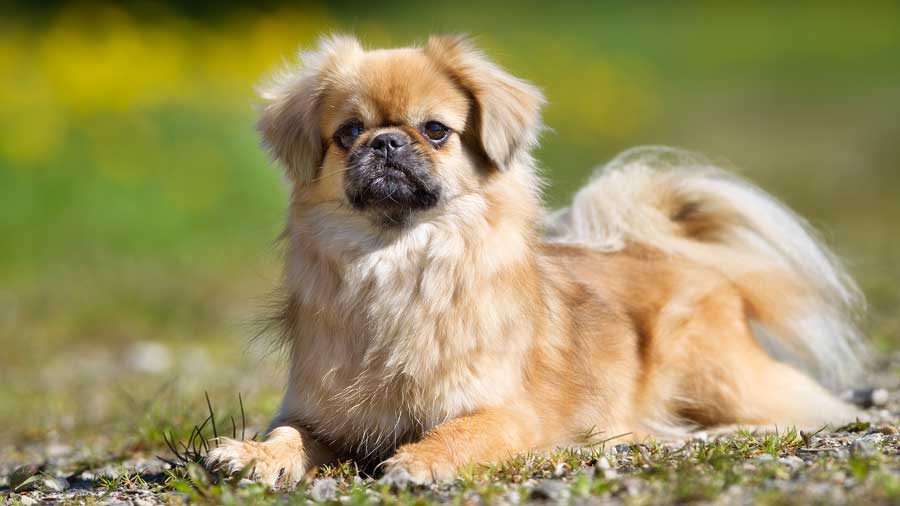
[{"x": 803, "y": 304}]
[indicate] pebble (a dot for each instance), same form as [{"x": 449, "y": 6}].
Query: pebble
[
  {"x": 56, "y": 450},
  {"x": 397, "y": 478},
  {"x": 512, "y": 497},
  {"x": 875, "y": 437},
  {"x": 324, "y": 489},
  {"x": 115, "y": 502},
  {"x": 550, "y": 490},
  {"x": 24, "y": 500},
  {"x": 622, "y": 448},
  {"x": 55, "y": 484},
  {"x": 603, "y": 463},
  {"x": 889, "y": 430},
  {"x": 149, "y": 357},
  {"x": 867, "y": 397},
  {"x": 589, "y": 472},
  {"x": 792, "y": 461},
  {"x": 20, "y": 475},
  {"x": 863, "y": 448}
]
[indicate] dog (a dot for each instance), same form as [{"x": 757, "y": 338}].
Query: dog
[{"x": 436, "y": 316}]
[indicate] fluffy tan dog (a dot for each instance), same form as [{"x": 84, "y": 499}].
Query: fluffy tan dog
[{"x": 437, "y": 317}]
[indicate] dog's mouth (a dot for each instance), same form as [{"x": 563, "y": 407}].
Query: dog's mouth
[{"x": 391, "y": 187}]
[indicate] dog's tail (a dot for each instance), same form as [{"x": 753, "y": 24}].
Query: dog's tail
[{"x": 802, "y": 304}]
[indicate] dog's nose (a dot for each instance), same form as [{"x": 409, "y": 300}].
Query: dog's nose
[{"x": 389, "y": 143}]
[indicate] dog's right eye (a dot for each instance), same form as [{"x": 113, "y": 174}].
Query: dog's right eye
[{"x": 348, "y": 132}]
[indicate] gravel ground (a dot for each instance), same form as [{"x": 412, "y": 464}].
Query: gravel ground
[{"x": 859, "y": 463}]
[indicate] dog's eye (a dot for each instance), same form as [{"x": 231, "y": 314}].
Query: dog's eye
[
  {"x": 436, "y": 131},
  {"x": 348, "y": 132}
]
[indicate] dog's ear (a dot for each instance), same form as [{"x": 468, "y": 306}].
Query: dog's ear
[
  {"x": 289, "y": 123},
  {"x": 506, "y": 109}
]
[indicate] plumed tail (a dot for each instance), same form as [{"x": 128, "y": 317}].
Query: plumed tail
[{"x": 802, "y": 303}]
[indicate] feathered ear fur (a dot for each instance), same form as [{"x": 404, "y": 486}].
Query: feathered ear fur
[
  {"x": 290, "y": 121},
  {"x": 507, "y": 110}
]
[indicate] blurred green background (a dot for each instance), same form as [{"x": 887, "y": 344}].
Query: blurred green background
[{"x": 137, "y": 212}]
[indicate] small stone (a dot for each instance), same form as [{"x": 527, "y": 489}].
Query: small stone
[
  {"x": 512, "y": 497},
  {"x": 862, "y": 448},
  {"x": 880, "y": 397},
  {"x": 149, "y": 357},
  {"x": 178, "y": 497},
  {"x": 560, "y": 470},
  {"x": 324, "y": 489},
  {"x": 875, "y": 438},
  {"x": 397, "y": 478},
  {"x": 889, "y": 430},
  {"x": 55, "y": 484},
  {"x": 603, "y": 463},
  {"x": 622, "y": 448},
  {"x": 765, "y": 457},
  {"x": 839, "y": 477},
  {"x": 142, "y": 502},
  {"x": 24, "y": 500},
  {"x": 867, "y": 397},
  {"x": 19, "y": 477},
  {"x": 632, "y": 486},
  {"x": 550, "y": 490},
  {"x": 114, "y": 502},
  {"x": 792, "y": 461}
]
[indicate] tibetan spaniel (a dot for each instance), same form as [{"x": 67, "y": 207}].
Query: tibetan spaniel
[{"x": 435, "y": 315}]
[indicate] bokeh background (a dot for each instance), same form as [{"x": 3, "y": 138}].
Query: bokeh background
[{"x": 138, "y": 214}]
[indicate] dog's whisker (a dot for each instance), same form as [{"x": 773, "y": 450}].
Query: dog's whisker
[{"x": 323, "y": 176}]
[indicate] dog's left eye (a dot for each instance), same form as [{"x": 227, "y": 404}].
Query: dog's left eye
[
  {"x": 436, "y": 131},
  {"x": 348, "y": 132}
]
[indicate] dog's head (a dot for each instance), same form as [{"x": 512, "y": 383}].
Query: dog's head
[{"x": 395, "y": 133}]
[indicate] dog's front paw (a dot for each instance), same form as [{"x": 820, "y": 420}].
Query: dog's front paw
[
  {"x": 274, "y": 463},
  {"x": 417, "y": 467}
]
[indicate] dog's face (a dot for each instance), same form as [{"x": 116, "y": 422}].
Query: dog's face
[{"x": 391, "y": 134}]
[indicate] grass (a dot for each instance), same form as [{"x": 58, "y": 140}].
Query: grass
[
  {"x": 758, "y": 465},
  {"x": 689, "y": 472},
  {"x": 139, "y": 214}
]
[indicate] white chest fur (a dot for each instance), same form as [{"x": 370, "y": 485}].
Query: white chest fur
[{"x": 392, "y": 338}]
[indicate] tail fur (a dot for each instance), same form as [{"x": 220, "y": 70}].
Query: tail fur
[{"x": 803, "y": 305}]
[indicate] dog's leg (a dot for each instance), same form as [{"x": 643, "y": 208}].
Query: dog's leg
[
  {"x": 282, "y": 459},
  {"x": 490, "y": 435},
  {"x": 727, "y": 378},
  {"x": 780, "y": 394}
]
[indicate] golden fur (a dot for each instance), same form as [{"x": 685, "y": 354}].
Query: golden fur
[{"x": 482, "y": 327}]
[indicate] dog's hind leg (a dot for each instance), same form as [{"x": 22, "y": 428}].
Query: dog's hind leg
[{"x": 725, "y": 377}]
